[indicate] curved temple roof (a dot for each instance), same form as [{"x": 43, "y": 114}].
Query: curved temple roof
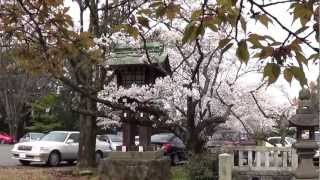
[{"x": 136, "y": 56}]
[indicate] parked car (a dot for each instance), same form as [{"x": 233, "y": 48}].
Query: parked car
[
  {"x": 276, "y": 141},
  {"x": 31, "y": 136},
  {"x": 53, "y": 148},
  {"x": 6, "y": 138},
  {"x": 229, "y": 137},
  {"x": 172, "y": 145},
  {"x": 112, "y": 139}
]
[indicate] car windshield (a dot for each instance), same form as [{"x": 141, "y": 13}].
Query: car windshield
[
  {"x": 115, "y": 138},
  {"x": 161, "y": 137},
  {"x": 55, "y": 136},
  {"x": 36, "y": 135}
]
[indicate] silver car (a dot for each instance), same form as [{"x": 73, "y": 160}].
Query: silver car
[
  {"x": 112, "y": 139},
  {"x": 55, "y": 147}
]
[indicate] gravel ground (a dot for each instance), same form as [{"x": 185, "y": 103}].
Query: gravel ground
[{"x": 32, "y": 173}]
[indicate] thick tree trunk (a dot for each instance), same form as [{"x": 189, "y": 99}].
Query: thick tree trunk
[
  {"x": 16, "y": 127},
  {"x": 88, "y": 130},
  {"x": 11, "y": 127},
  {"x": 194, "y": 142},
  {"x": 20, "y": 129}
]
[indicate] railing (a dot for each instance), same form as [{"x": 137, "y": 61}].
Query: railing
[{"x": 260, "y": 158}]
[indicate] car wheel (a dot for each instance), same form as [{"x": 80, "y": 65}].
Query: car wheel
[
  {"x": 54, "y": 159},
  {"x": 24, "y": 162},
  {"x": 2, "y": 142},
  {"x": 98, "y": 157},
  {"x": 175, "y": 159}
]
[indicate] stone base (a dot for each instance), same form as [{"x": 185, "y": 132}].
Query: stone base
[
  {"x": 134, "y": 166},
  {"x": 262, "y": 175}
]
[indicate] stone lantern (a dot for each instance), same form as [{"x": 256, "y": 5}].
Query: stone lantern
[
  {"x": 131, "y": 66},
  {"x": 306, "y": 120}
]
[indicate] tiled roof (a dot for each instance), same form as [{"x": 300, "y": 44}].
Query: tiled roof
[{"x": 130, "y": 56}]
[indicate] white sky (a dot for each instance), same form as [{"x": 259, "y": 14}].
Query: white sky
[{"x": 280, "y": 12}]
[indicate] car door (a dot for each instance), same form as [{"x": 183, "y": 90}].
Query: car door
[{"x": 72, "y": 147}]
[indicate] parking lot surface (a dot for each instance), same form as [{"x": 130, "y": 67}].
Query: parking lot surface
[{"x": 5, "y": 156}]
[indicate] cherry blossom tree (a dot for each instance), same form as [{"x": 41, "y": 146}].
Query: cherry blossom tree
[{"x": 48, "y": 41}]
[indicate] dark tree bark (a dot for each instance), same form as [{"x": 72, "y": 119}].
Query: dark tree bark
[{"x": 88, "y": 129}]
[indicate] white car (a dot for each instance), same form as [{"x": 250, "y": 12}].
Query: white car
[
  {"x": 276, "y": 141},
  {"x": 53, "y": 148},
  {"x": 112, "y": 139}
]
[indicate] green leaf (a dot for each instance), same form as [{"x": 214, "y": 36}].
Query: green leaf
[
  {"x": 269, "y": 37},
  {"x": 301, "y": 58},
  {"x": 264, "y": 19},
  {"x": 227, "y": 48},
  {"x": 302, "y": 12},
  {"x": 315, "y": 57},
  {"x": 172, "y": 10},
  {"x": 256, "y": 55},
  {"x": 211, "y": 23},
  {"x": 276, "y": 43},
  {"x": 299, "y": 75},
  {"x": 254, "y": 39},
  {"x": 160, "y": 11},
  {"x": 190, "y": 32},
  {"x": 272, "y": 71},
  {"x": 143, "y": 21},
  {"x": 133, "y": 31},
  {"x": 223, "y": 42},
  {"x": 295, "y": 45},
  {"x": 156, "y": 4},
  {"x": 145, "y": 11},
  {"x": 287, "y": 74},
  {"x": 302, "y": 29},
  {"x": 266, "y": 52},
  {"x": 225, "y": 3},
  {"x": 242, "y": 51},
  {"x": 196, "y": 14}
]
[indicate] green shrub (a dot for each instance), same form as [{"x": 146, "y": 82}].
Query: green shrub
[
  {"x": 179, "y": 173},
  {"x": 202, "y": 167}
]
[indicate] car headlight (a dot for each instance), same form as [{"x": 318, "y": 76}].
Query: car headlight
[
  {"x": 15, "y": 147},
  {"x": 44, "y": 149}
]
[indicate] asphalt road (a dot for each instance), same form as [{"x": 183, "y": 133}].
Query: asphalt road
[{"x": 5, "y": 156}]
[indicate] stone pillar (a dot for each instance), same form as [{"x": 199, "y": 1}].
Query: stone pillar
[
  {"x": 306, "y": 169},
  {"x": 225, "y": 166}
]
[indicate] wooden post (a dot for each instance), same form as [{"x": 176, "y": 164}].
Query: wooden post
[
  {"x": 129, "y": 132},
  {"x": 225, "y": 166},
  {"x": 250, "y": 158},
  {"x": 144, "y": 135},
  {"x": 240, "y": 158}
]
